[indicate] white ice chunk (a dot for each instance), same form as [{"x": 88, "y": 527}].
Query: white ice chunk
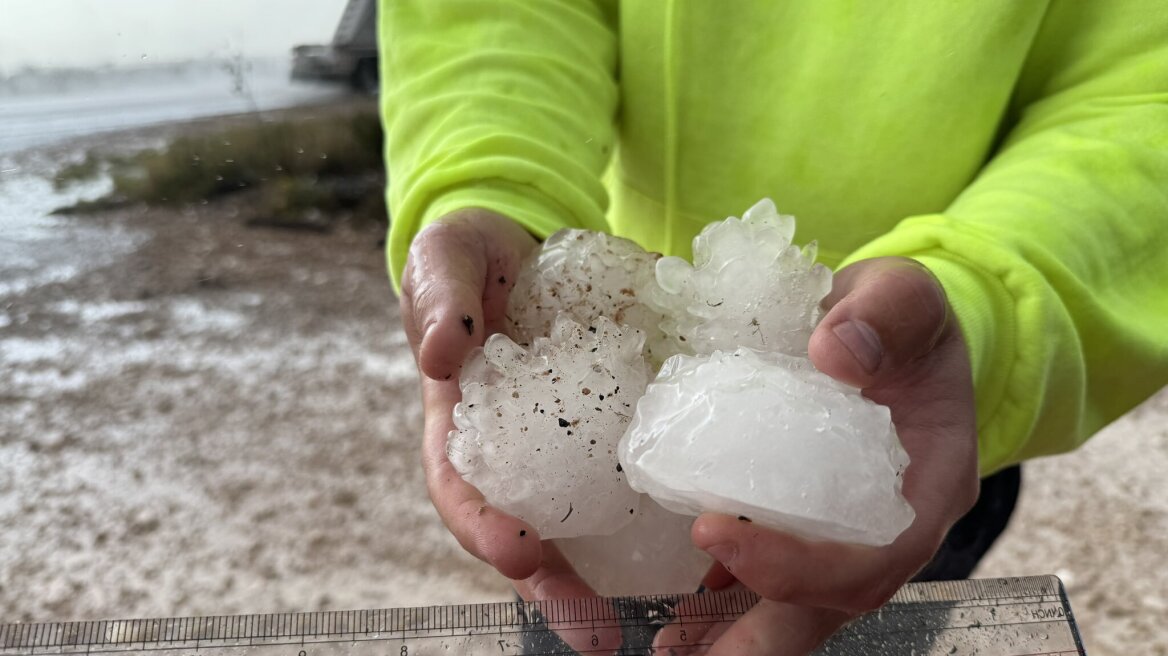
[
  {"x": 748, "y": 286},
  {"x": 652, "y": 555},
  {"x": 769, "y": 437},
  {"x": 537, "y": 428},
  {"x": 586, "y": 275}
]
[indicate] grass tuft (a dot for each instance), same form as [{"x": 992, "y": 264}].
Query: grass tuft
[{"x": 301, "y": 167}]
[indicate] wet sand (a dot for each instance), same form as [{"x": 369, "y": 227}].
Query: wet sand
[{"x": 222, "y": 419}]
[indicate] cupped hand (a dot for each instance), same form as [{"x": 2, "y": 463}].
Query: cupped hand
[
  {"x": 454, "y": 294},
  {"x": 890, "y": 331}
]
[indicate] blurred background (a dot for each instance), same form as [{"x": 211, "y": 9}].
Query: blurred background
[{"x": 206, "y": 402}]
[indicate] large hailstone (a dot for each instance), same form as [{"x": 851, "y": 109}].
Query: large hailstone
[
  {"x": 652, "y": 555},
  {"x": 748, "y": 286},
  {"x": 537, "y": 429},
  {"x": 768, "y": 437},
  {"x": 585, "y": 275}
]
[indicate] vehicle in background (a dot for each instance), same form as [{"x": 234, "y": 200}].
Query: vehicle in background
[{"x": 351, "y": 57}]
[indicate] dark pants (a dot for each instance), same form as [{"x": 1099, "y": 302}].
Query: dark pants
[
  {"x": 973, "y": 535},
  {"x": 965, "y": 545}
]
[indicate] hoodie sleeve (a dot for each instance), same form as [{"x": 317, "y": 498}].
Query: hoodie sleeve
[
  {"x": 505, "y": 105},
  {"x": 1055, "y": 259}
]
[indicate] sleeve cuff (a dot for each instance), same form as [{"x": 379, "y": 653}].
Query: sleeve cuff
[
  {"x": 985, "y": 311},
  {"x": 540, "y": 216}
]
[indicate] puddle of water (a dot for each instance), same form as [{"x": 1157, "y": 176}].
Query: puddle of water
[{"x": 36, "y": 248}]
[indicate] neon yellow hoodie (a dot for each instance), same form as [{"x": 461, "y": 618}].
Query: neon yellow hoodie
[{"x": 1017, "y": 149}]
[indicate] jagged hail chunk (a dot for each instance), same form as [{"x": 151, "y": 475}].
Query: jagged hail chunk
[
  {"x": 767, "y": 436},
  {"x": 586, "y": 275},
  {"x": 748, "y": 286},
  {"x": 537, "y": 428}
]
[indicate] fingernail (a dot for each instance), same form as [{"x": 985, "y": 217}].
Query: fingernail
[
  {"x": 859, "y": 338},
  {"x": 723, "y": 553}
]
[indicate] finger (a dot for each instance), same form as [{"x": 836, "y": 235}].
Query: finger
[
  {"x": 557, "y": 580},
  {"x": 885, "y": 313},
  {"x": 779, "y": 629},
  {"x": 442, "y": 291},
  {"x": 455, "y": 286},
  {"x": 718, "y": 578},
  {"x": 698, "y": 625},
  {"x": 782, "y": 567},
  {"x": 508, "y": 544}
]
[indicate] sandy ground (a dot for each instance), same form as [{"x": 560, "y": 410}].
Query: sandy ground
[{"x": 224, "y": 420}]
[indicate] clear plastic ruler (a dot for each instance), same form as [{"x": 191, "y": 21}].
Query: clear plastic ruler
[{"x": 1003, "y": 617}]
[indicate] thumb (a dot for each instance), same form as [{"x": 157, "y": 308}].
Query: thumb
[
  {"x": 455, "y": 286},
  {"x": 884, "y": 314},
  {"x": 442, "y": 297}
]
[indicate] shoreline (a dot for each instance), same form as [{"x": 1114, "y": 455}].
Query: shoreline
[{"x": 119, "y": 140}]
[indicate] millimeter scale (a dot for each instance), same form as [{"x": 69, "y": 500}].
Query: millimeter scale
[{"x": 1002, "y": 617}]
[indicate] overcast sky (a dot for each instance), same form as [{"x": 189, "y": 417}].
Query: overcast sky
[{"x": 99, "y": 32}]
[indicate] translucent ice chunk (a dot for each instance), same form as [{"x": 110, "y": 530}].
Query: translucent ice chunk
[
  {"x": 652, "y": 555},
  {"x": 537, "y": 428},
  {"x": 748, "y": 286},
  {"x": 769, "y": 437},
  {"x": 586, "y": 275}
]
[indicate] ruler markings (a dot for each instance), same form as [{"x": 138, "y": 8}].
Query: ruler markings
[
  {"x": 938, "y": 629},
  {"x": 933, "y": 604},
  {"x": 187, "y": 630},
  {"x": 910, "y": 607},
  {"x": 516, "y": 632}
]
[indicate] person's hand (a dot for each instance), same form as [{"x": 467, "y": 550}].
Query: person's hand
[
  {"x": 890, "y": 331},
  {"x": 454, "y": 294}
]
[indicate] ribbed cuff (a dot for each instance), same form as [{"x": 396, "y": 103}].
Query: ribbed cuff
[
  {"x": 539, "y": 216},
  {"x": 985, "y": 311}
]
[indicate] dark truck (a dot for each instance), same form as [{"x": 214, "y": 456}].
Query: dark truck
[{"x": 351, "y": 57}]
